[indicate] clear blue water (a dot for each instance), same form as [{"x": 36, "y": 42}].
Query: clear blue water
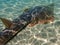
[{"x": 48, "y": 34}]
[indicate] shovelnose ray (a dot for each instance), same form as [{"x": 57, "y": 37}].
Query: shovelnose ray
[{"x": 32, "y": 16}]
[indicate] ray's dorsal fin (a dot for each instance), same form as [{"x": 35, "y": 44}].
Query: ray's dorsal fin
[{"x": 6, "y": 22}]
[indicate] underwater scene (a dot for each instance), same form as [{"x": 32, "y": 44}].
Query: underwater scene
[{"x": 40, "y": 34}]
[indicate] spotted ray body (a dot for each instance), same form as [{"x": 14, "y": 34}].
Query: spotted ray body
[{"x": 31, "y": 16}]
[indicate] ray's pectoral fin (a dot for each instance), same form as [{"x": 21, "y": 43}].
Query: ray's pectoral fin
[
  {"x": 33, "y": 23},
  {"x": 6, "y": 22}
]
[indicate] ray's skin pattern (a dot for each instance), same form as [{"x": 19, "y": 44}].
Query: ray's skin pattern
[{"x": 31, "y": 17}]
